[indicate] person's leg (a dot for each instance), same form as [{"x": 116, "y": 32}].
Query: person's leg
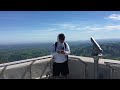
[
  {"x": 56, "y": 71},
  {"x": 65, "y": 70}
]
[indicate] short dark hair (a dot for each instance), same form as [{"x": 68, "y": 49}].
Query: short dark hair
[{"x": 61, "y": 35}]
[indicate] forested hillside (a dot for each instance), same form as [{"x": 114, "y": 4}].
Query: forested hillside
[
  {"x": 110, "y": 50},
  {"x": 25, "y": 51}
]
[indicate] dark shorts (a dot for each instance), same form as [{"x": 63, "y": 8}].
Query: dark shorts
[{"x": 60, "y": 68}]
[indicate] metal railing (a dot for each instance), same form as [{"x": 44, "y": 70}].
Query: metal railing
[
  {"x": 32, "y": 61},
  {"x": 85, "y": 66},
  {"x": 112, "y": 67},
  {"x": 48, "y": 63},
  {"x": 23, "y": 61}
]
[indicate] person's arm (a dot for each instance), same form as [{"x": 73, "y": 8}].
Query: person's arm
[{"x": 67, "y": 50}]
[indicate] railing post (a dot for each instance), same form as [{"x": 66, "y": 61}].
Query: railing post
[
  {"x": 44, "y": 69},
  {"x": 85, "y": 69},
  {"x": 28, "y": 68},
  {"x": 85, "y": 73},
  {"x": 111, "y": 73},
  {"x": 30, "y": 72},
  {"x": 112, "y": 69},
  {"x": 85, "y": 65},
  {"x": 2, "y": 72},
  {"x": 96, "y": 59}
]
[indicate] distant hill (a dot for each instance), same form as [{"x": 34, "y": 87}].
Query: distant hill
[
  {"x": 8, "y": 53},
  {"x": 29, "y": 45},
  {"x": 47, "y": 45}
]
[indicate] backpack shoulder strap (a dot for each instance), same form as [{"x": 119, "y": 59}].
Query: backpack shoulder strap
[
  {"x": 55, "y": 45},
  {"x": 65, "y": 48},
  {"x": 65, "y": 45}
]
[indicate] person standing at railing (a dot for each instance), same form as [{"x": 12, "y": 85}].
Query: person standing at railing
[{"x": 60, "y": 51}]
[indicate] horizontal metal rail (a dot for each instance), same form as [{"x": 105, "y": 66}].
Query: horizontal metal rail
[
  {"x": 19, "y": 62},
  {"x": 24, "y": 61},
  {"x": 112, "y": 67},
  {"x": 85, "y": 65}
]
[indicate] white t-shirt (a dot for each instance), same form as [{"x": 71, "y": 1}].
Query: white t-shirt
[{"x": 60, "y": 58}]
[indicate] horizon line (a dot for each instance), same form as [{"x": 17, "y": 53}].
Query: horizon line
[{"x": 55, "y": 41}]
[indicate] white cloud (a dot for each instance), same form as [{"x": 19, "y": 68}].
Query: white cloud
[
  {"x": 112, "y": 27},
  {"x": 44, "y": 30},
  {"x": 113, "y": 17},
  {"x": 39, "y": 33},
  {"x": 66, "y": 26},
  {"x": 35, "y": 34},
  {"x": 105, "y": 28},
  {"x": 58, "y": 28},
  {"x": 87, "y": 29},
  {"x": 69, "y": 26}
]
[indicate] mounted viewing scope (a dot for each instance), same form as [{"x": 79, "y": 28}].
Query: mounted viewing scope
[{"x": 97, "y": 50}]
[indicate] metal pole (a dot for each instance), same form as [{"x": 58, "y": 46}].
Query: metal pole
[
  {"x": 2, "y": 72},
  {"x": 96, "y": 59},
  {"x": 85, "y": 76},
  {"x": 111, "y": 73}
]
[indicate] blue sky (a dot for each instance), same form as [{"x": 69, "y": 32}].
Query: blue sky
[{"x": 44, "y": 26}]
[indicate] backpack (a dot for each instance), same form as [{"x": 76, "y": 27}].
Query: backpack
[{"x": 65, "y": 48}]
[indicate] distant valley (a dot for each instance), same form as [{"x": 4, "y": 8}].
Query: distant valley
[{"x": 9, "y": 53}]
